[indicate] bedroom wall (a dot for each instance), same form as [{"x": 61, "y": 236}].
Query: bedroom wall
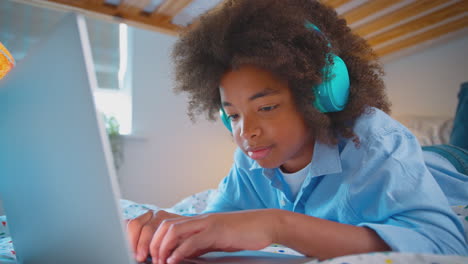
[
  {"x": 427, "y": 82},
  {"x": 168, "y": 157}
]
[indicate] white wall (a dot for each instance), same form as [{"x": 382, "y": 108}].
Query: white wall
[
  {"x": 427, "y": 82},
  {"x": 169, "y": 158}
]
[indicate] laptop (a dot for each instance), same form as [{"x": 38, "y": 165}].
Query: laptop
[{"x": 59, "y": 187}]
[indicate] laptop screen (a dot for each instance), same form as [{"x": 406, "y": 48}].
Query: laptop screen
[{"x": 55, "y": 159}]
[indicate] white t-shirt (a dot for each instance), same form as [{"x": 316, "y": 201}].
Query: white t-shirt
[{"x": 295, "y": 179}]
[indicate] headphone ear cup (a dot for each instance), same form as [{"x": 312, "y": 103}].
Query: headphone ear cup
[
  {"x": 225, "y": 119},
  {"x": 332, "y": 94}
]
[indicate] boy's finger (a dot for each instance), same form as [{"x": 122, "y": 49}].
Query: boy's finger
[
  {"x": 160, "y": 234},
  {"x": 176, "y": 233},
  {"x": 194, "y": 245},
  {"x": 134, "y": 227},
  {"x": 146, "y": 235},
  {"x": 157, "y": 238}
]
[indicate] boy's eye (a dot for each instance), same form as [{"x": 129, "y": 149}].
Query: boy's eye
[
  {"x": 233, "y": 117},
  {"x": 268, "y": 108}
]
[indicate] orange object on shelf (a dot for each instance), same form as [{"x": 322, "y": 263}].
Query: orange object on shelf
[{"x": 7, "y": 62}]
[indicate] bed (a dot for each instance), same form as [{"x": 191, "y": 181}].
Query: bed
[{"x": 197, "y": 202}]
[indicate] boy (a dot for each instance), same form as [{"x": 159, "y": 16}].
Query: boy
[{"x": 324, "y": 174}]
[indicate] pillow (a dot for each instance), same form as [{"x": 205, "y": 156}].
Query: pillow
[{"x": 429, "y": 130}]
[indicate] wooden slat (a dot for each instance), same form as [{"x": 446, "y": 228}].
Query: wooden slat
[
  {"x": 96, "y": 2},
  {"x": 101, "y": 8},
  {"x": 165, "y": 12},
  {"x": 133, "y": 7},
  {"x": 335, "y": 3},
  {"x": 427, "y": 35},
  {"x": 420, "y": 23},
  {"x": 394, "y": 17},
  {"x": 172, "y": 7},
  {"x": 130, "y": 11},
  {"x": 367, "y": 9}
]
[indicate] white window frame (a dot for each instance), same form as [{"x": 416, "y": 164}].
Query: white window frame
[{"x": 117, "y": 103}]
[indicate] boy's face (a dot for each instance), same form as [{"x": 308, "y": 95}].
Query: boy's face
[{"x": 265, "y": 121}]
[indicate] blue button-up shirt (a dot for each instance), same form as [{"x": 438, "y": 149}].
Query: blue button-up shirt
[{"x": 382, "y": 184}]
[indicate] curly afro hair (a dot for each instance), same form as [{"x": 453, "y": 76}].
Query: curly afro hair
[{"x": 270, "y": 34}]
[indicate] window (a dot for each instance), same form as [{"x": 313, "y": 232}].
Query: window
[
  {"x": 23, "y": 25},
  {"x": 110, "y": 50}
]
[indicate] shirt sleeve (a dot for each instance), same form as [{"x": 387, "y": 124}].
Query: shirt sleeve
[
  {"x": 222, "y": 202},
  {"x": 237, "y": 190},
  {"x": 394, "y": 194}
]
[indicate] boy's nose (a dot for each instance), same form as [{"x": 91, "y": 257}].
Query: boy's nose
[{"x": 249, "y": 129}]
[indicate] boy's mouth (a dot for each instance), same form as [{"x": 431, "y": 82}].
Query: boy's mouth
[{"x": 259, "y": 153}]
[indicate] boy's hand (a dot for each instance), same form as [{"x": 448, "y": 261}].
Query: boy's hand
[
  {"x": 179, "y": 238},
  {"x": 141, "y": 231}
]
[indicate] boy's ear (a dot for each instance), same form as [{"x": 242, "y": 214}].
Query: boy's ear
[{"x": 332, "y": 94}]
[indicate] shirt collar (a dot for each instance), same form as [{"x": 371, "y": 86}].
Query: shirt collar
[{"x": 326, "y": 160}]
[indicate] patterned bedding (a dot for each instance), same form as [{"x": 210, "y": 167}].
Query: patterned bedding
[{"x": 196, "y": 203}]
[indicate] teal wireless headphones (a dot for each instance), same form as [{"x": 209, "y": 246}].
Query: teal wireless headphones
[{"x": 331, "y": 95}]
